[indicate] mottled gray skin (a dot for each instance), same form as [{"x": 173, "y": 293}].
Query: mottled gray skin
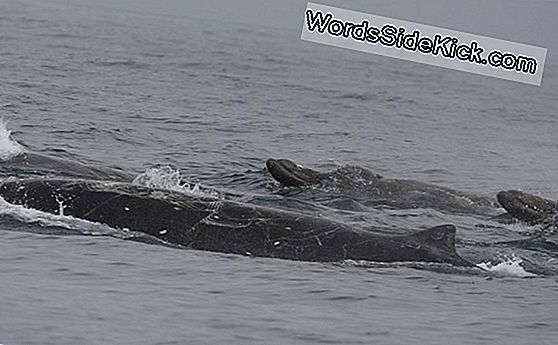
[
  {"x": 529, "y": 208},
  {"x": 221, "y": 226},
  {"x": 362, "y": 183},
  {"x": 37, "y": 164}
]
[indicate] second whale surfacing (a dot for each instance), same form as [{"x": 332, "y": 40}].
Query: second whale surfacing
[
  {"x": 35, "y": 163},
  {"x": 529, "y": 208},
  {"x": 222, "y": 226},
  {"x": 364, "y": 184}
]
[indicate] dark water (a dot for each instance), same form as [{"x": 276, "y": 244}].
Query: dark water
[{"x": 136, "y": 91}]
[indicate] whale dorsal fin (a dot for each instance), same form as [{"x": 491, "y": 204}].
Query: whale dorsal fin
[
  {"x": 441, "y": 237},
  {"x": 440, "y": 241}
]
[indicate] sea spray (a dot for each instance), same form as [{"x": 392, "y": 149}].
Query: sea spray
[
  {"x": 8, "y": 147},
  {"x": 507, "y": 266},
  {"x": 168, "y": 178}
]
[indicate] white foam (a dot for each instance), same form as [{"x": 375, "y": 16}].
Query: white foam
[
  {"x": 8, "y": 147},
  {"x": 168, "y": 178},
  {"x": 44, "y": 219},
  {"x": 509, "y": 266}
]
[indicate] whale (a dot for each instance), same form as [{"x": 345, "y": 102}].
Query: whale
[
  {"x": 529, "y": 208},
  {"x": 210, "y": 224},
  {"x": 31, "y": 163},
  {"x": 362, "y": 183}
]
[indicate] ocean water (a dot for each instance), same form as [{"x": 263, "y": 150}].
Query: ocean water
[{"x": 175, "y": 99}]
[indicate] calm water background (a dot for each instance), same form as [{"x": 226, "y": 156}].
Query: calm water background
[{"x": 125, "y": 89}]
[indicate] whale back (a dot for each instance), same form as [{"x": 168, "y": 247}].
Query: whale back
[
  {"x": 224, "y": 226},
  {"x": 350, "y": 178},
  {"x": 121, "y": 206}
]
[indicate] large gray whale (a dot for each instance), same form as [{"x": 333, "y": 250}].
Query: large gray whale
[
  {"x": 35, "y": 163},
  {"x": 360, "y": 182},
  {"x": 222, "y": 226}
]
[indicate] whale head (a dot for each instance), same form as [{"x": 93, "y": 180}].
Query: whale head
[
  {"x": 527, "y": 207},
  {"x": 288, "y": 173}
]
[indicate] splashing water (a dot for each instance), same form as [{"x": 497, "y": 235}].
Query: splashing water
[
  {"x": 168, "y": 178},
  {"x": 44, "y": 219},
  {"x": 8, "y": 147},
  {"x": 508, "y": 266}
]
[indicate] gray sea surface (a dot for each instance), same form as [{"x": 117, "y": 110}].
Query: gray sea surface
[{"x": 214, "y": 100}]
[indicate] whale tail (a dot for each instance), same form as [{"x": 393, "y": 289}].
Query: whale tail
[{"x": 440, "y": 241}]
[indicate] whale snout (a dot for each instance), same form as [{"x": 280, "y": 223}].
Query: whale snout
[
  {"x": 526, "y": 207},
  {"x": 271, "y": 164},
  {"x": 289, "y": 173}
]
